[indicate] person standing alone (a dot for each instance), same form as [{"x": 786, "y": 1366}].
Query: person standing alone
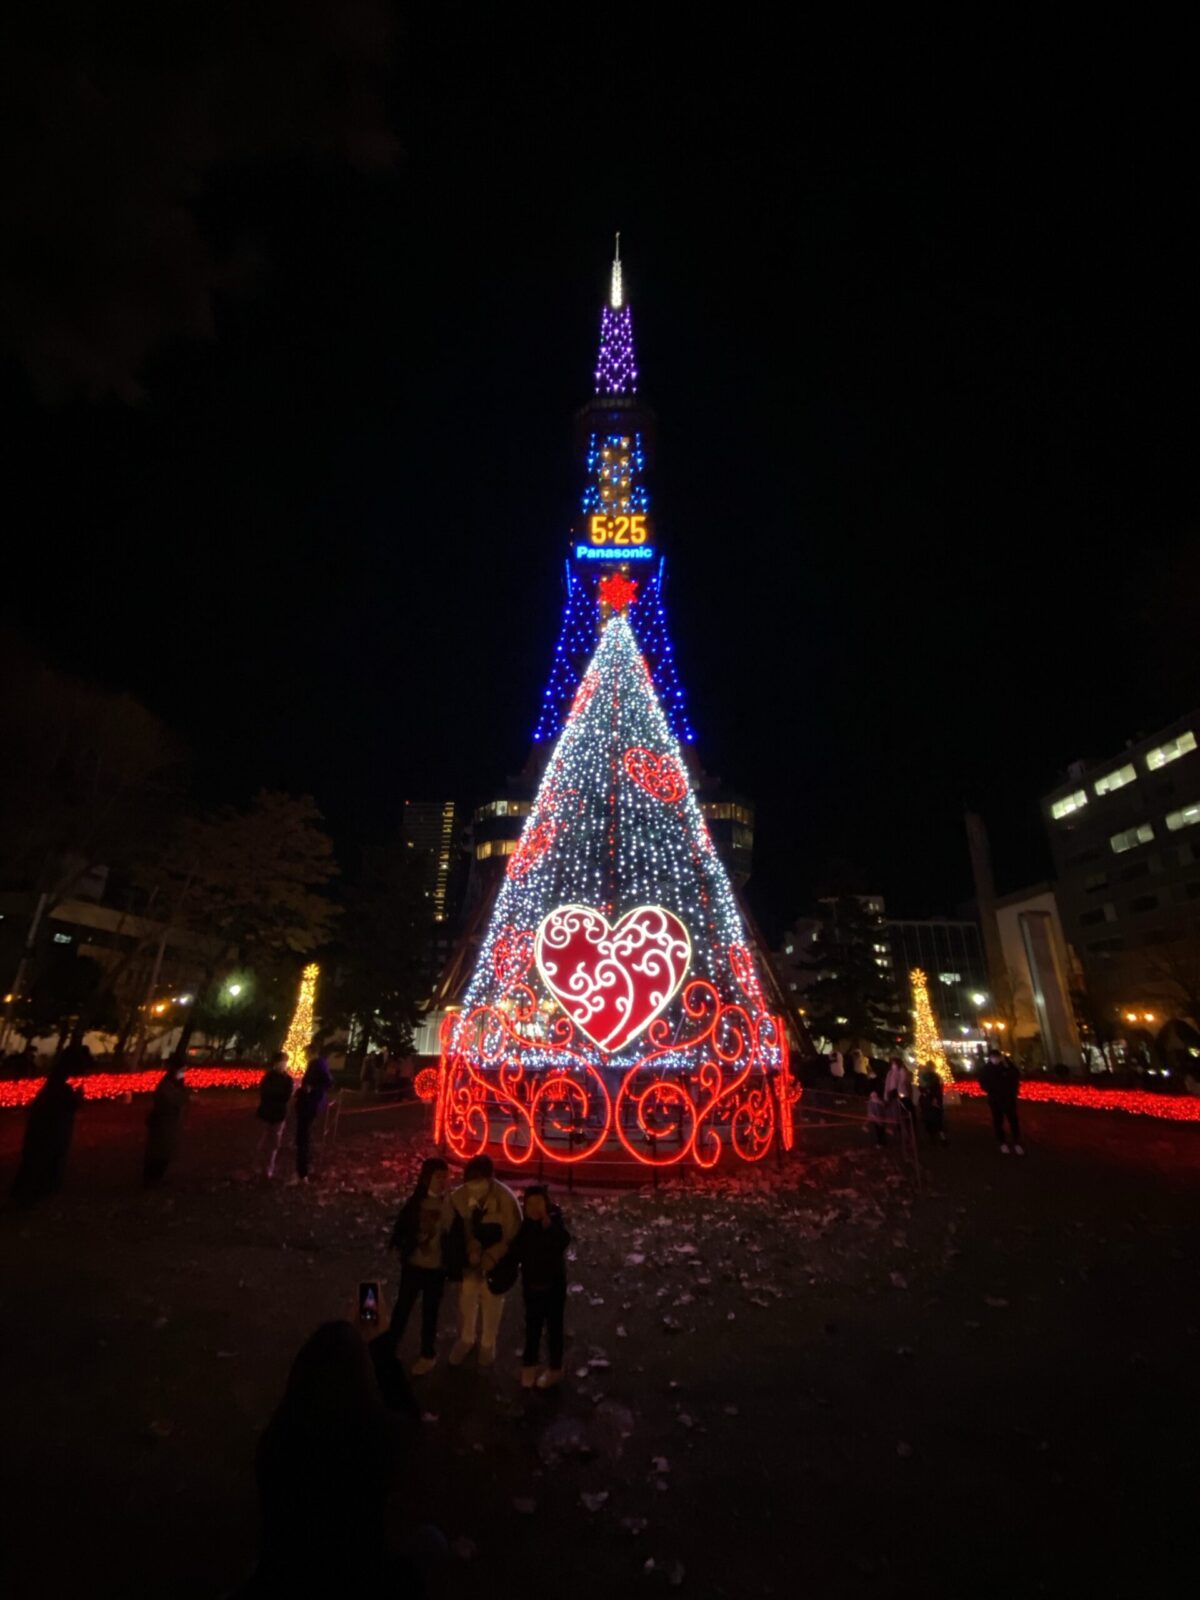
[
  {"x": 311, "y": 1097},
  {"x": 484, "y": 1220},
  {"x": 1002, "y": 1084},
  {"x": 164, "y": 1124}
]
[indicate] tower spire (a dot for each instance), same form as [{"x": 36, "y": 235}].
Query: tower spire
[{"x": 616, "y": 368}]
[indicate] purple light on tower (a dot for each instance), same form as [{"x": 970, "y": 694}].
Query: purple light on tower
[{"x": 616, "y": 372}]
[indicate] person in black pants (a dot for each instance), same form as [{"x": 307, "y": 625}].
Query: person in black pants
[
  {"x": 311, "y": 1098},
  {"x": 417, "y": 1239},
  {"x": 541, "y": 1248},
  {"x": 1002, "y": 1084}
]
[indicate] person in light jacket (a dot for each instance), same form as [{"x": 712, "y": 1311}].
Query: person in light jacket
[
  {"x": 482, "y": 1220},
  {"x": 898, "y": 1084}
]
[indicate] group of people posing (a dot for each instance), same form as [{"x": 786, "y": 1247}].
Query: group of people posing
[{"x": 479, "y": 1236}]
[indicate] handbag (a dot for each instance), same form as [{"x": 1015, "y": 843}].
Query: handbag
[{"x": 504, "y": 1274}]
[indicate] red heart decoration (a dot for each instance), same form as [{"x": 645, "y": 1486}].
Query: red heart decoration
[
  {"x": 512, "y": 953},
  {"x": 661, "y": 776},
  {"x": 533, "y": 845},
  {"x": 612, "y": 981}
]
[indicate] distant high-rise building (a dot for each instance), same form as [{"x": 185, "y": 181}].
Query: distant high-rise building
[{"x": 428, "y": 831}]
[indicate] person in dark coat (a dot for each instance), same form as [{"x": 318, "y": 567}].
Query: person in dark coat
[
  {"x": 1001, "y": 1083},
  {"x": 48, "y": 1133},
  {"x": 933, "y": 1103},
  {"x": 541, "y": 1247},
  {"x": 274, "y": 1095},
  {"x": 311, "y": 1098},
  {"x": 417, "y": 1239},
  {"x": 327, "y": 1464},
  {"x": 164, "y": 1123}
]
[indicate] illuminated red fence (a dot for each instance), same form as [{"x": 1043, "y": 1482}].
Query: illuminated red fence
[
  {"x": 1136, "y": 1102},
  {"x": 115, "y": 1085}
]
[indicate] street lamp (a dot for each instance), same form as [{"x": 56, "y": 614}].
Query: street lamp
[{"x": 233, "y": 990}]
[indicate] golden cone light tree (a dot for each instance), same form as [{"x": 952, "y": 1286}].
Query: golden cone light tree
[
  {"x": 927, "y": 1043},
  {"x": 300, "y": 1029}
]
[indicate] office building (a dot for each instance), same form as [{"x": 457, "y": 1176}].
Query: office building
[{"x": 1128, "y": 861}]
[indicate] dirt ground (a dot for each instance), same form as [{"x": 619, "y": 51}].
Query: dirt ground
[{"x": 809, "y": 1381}]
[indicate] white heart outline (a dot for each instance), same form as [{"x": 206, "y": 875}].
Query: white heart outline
[{"x": 594, "y": 911}]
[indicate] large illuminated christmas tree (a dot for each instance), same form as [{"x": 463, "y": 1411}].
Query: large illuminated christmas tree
[{"x": 615, "y": 1011}]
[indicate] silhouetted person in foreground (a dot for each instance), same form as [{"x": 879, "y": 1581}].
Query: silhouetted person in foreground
[
  {"x": 164, "y": 1123},
  {"x": 48, "y": 1131},
  {"x": 327, "y": 1463}
]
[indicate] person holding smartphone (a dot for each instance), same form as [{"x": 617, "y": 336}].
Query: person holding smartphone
[{"x": 417, "y": 1239}]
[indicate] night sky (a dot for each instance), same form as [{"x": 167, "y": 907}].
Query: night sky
[{"x": 919, "y": 330}]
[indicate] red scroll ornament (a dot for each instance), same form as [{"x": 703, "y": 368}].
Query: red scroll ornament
[
  {"x": 612, "y": 981},
  {"x": 659, "y": 775},
  {"x": 715, "y": 1079}
]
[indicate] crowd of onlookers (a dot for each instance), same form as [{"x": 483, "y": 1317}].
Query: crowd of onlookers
[{"x": 898, "y": 1096}]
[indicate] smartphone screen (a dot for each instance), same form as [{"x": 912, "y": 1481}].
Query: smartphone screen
[{"x": 368, "y": 1302}]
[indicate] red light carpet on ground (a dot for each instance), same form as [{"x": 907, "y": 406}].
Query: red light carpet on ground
[
  {"x": 114, "y": 1085},
  {"x": 1136, "y": 1102},
  {"x": 18, "y": 1092}
]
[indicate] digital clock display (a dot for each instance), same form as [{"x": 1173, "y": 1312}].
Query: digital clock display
[{"x": 621, "y": 530}]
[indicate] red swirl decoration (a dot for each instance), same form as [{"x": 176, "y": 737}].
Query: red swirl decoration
[
  {"x": 741, "y": 963},
  {"x": 533, "y": 845},
  {"x": 584, "y": 693},
  {"x": 713, "y": 1084},
  {"x": 659, "y": 775}
]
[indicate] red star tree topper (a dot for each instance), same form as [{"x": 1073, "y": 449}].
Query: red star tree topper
[{"x": 617, "y": 591}]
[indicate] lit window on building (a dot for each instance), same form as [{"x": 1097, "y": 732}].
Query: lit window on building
[
  {"x": 1115, "y": 780},
  {"x": 1183, "y": 819},
  {"x": 62, "y": 938},
  {"x": 1132, "y": 837},
  {"x": 789, "y": 949},
  {"x": 1171, "y": 751},
  {"x": 504, "y": 808},
  {"x": 949, "y": 978},
  {"x": 495, "y": 847},
  {"x": 1068, "y": 804}
]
